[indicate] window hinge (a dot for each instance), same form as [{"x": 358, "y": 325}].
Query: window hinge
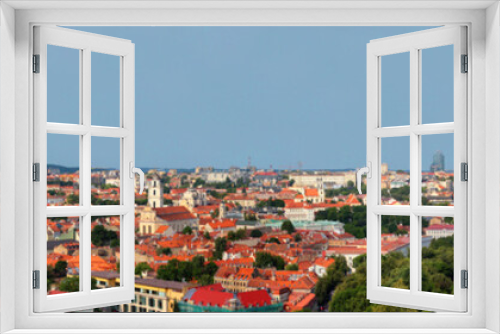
[
  {"x": 36, "y": 63},
  {"x": 36, "y": 279},
  {"x": 36, "y": 172},
  {"x": 464, "y": 171},
  {"x": 465, "y": 64},
  {"x": 465, "y": 279}
]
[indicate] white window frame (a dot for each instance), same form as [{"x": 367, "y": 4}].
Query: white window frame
[
  {"x": 86, "y": 44},
  {"x": 482, "y": 19},
  {"x": 413, "y": 44}
]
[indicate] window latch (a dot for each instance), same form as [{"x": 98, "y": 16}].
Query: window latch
[
  {"x": 133, "y": 170},
  {"x": 365, "y": 170}
]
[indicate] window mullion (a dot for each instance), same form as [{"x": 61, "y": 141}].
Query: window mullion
[
  {"x": 414, "y": 168},
  {"x": 85, "y": 182}
]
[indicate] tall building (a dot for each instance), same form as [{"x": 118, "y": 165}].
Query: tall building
[
  {"x": 155, "y": 192},
  {"x": 437, "y": 162},
  {"x": 384, "y": 168}
]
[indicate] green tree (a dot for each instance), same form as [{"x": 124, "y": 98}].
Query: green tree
[
  {"x": 231, "y": 236},
  {"x": 350, "y": 295},
  {"x": 72, "y": 284},
  {"x": 60, "y": 268},
  {"x": 176, "y": 307},
  {"x": 206, "y": 235},
  {"x": 292, "y": 266},
  {"x": 163, "y": 251},
  {"x": 101, "y": 236},
  {"x": 288, "y": 226},
  {"x": 187, "y": 230},
  {"x": 267, "y": 260},
  {"x": 256, "y": 234},
  {"x": 141, "y": 267},
  {"x": 214, "y": 214},
  {"x": 220, "y": 247},
  {"x": 73, "y": 199},
  {"x": 241, "y": 234},
  {"x": 335, "y": 274},
  {"x": 141, "y": 201},
  {"x": 273, "y": 240},
  {"x": 197, "y": 269},
  {"x": 297, "y": 237}
]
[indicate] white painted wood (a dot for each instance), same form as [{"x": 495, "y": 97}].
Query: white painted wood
[
  {"x": 86, "y": 43},
  {"x": 413, "y": 43}
]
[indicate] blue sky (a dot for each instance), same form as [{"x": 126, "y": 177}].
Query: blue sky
[{"x": 213, "y": 96}]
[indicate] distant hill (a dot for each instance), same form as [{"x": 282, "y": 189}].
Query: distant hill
[{"x": 63, "y": 169}]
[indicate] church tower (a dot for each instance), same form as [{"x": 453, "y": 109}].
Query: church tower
[
  {"x": 222, "y": 210},
  {"x": 155, "y": 192}
]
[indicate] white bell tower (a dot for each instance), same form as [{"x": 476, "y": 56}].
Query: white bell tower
[{"x": 155, "y": 192}]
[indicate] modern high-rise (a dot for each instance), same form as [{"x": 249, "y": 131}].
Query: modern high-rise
[{"x": 437, "y": 161}]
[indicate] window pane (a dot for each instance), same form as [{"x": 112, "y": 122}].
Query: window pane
[
  {"x": 437, "y": 169},
  {"x": 395, "y": 250},
  {"x": 437, "y": 254},
  {"x": 395, "y": 171},
  {"x": 105, "y": 259},
  {"x": 437, "y": 84},
  {"x": 395, "y": 89},
  {"x": 105, "y": 171},
  {"x": 63, "y": 255},
  {"x": 63, "y": 85},
  {"x": 105, "y": 90},
  {"x": 63, "y": 170}
]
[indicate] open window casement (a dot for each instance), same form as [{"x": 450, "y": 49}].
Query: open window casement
[
  {"x": 83, "y": 131},
  {"x": 416, "y": 293}
]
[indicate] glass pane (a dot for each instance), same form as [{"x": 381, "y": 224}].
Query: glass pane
[
  {"x": 63, "y": 255},
  {"x": 437, "y": 169},
  {"x": 437, "y": 254},
  {"x": 395, "y": 171},
  {"x": 63, "y": 166},
  {"x": 395, "y": 251},
  {"x": 105, "y": 171},
  {"x": 105, "y": 90},
  {"x": 395, "y": 89},
  {"x": 437, "y": 84},
  {"x": 105, "y": 258},
  {"x": 63, "y": 85}
]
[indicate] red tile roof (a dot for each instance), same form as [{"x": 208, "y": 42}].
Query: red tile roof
[
  {"x": 311, "y": 192},
  {"x": 438, "y": 227},
  {"x": 254, "y": 298},
  {"x": 172, "y": 213},
  {"x": 211, "y": 297}
]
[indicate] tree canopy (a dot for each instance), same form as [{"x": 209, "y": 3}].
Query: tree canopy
[
  {"x": 220, "y": 247},
  {"x": 101, "y": 236},
  {"x": 437, "y": 276},
  {"x": 179, "y": 271},
  {"x": 288, "y": 226},
  {"x": 141, "y": 267},
  {"x": 266, "y": 260}
]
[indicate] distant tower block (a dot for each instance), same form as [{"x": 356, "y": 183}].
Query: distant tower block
[
  {"x": 155, "y": 192},
  {"x": 437, "y": 162}
]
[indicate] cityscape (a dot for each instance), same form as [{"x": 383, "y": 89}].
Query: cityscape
[{"x": 244, "y": 239}]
